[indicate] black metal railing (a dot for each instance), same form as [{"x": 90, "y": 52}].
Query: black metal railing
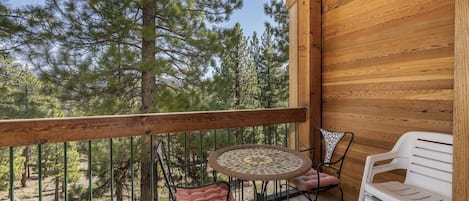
[{"x": 109, "y": 168}]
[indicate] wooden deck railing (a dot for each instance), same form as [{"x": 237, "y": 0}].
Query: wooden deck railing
[
  {"x": 15, "y": 133},
  {"x": 40, "y": 131}
]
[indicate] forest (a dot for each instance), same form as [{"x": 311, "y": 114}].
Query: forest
[{"x": 72, "y": 58}]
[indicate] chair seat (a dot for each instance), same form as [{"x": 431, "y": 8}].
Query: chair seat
[
  {"x": 309, "y": 180},
  {"x": 212, "y": 192},
  {"x": 398, "y": 191}
]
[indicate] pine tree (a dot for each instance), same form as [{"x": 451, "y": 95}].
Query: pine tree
[
  {"x": 271, "y": 76},
  {"x": 271, "y": 72},
  {"x": 26, "y": 96},
  {"x": 18, "y": 169},
  {"x": 277, "y": 10},
  {"x": 149, "y": 44},
  {"x": 234, "y": 78},
  {"x": 8, "y": 30},
  {"x": 53, "y": 163}
]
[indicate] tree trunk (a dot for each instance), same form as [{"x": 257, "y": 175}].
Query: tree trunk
[
  {"x": 25, "y": 174},
  {"x": 56, "y": 192},
  {"x": 148, "y": 87},
  {"x": 119, "y": 194}
]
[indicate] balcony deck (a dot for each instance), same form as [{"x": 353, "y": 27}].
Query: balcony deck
[{"x": 228, "y": 127}]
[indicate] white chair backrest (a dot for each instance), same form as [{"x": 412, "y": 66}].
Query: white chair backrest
[{"x": 430, "y": 160}]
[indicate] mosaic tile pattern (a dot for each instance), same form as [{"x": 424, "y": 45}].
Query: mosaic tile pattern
[{"x": 259, "y": 161}]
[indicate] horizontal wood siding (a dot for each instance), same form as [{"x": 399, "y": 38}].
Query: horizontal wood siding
[
  {"x": 387, "y": 69},
  {"x": 39, "y": 131}
]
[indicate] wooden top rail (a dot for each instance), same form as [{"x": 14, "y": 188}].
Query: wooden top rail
[{"x": 39, "y": 131}]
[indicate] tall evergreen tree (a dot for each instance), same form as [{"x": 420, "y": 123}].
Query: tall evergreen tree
[
  {"x": 147, "y": 45},
  {"x": 271, "y": 76},
  {"x": 277, "y": 11},
  {"x": 23, "y": 96},
  {"x": 53, "y": 163},
  {"x": 271, "y": 72},
  {"x": 235, "y": 79}
]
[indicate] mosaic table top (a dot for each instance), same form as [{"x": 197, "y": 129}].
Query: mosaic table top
[{"x": 259, "y": 162}]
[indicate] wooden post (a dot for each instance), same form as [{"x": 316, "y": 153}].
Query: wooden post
[
  {"x": 293, "y": 66},
  {"x": 305, "y": 66},
  {"x": 461, "y": 103}
]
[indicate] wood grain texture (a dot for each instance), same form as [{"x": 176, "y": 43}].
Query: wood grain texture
[
  {"x": 293, "y": 64},
  {"x": 304, "y": 55},
  {"x": 315, "y": 92},
  {"x": 461, "y": 103},
  {"x": 387, "y": 68},
  {"x": 29, "y": 132}
]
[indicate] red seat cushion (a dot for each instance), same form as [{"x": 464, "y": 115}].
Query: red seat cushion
[
  {"x": 212, "y": 192},
  {"x": 309, "y": 180}
]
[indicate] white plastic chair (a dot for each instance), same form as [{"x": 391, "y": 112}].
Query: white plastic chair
[{"x": 428, "y": 159}]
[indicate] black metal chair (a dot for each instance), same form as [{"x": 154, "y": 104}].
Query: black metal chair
[
  {"x": 326, "y": 175},
  {"x": 216, "y": 191}
]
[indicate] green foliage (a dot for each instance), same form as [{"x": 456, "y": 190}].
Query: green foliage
[
  {"x": 97, "y": 60},
  {"x": 89, "y": 54},
  {"x": 271, "y": 72},
  {"x": 23, "y": 95},
  {"x": 234, "y": 81},
  {"x": 121, "y": 160},
  {"x": 8, "y": 29},
  {"x": 277, "y": 10},
  {"x": 53, "y": 161},
  {"x": 26, "y": 96}
]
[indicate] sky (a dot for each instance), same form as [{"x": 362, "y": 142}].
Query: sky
[{"x": 251, "y": 16}]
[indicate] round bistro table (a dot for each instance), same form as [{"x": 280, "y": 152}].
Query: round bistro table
[{"x": 255, "y": 162}]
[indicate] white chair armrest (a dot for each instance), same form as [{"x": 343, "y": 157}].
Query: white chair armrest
[{"x": 371, "y": 170}]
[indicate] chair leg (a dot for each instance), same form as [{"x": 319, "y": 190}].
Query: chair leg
[
  {"x": 341, "y": 193},
  {"x": 316, "y": 196},
  {"x": 307, "y": 195}
]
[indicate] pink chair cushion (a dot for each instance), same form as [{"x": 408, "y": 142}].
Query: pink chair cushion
[
  {"x": 215, "y": 192},
  {"x": 309, "y": 180}
]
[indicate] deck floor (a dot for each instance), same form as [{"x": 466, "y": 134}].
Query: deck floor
[{"x": 303, "y": 198}]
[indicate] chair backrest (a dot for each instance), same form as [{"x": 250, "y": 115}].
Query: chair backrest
[
  {"x": 331, "y": 155},
  {"x": 429, "y": 158},
  {"x": 165, "y": 168},
  {"x": 219, "y": 190}
]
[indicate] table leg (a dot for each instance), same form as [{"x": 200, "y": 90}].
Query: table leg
[{"x": 260, "y": 196}]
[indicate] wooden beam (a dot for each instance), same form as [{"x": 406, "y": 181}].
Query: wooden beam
[
  {"x": 39, "y": 131},
  {"x": 315, "y": 93},
  {"x": 303, "y": 76},
  {"x": 293, "y": 66},
  {"x": 305, "y": 66},
  {"x": 461, "y": 102},
  {"x": 289, "y": 4}
]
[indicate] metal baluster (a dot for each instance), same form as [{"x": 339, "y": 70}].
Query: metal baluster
[
  {"x": 90, "y": 176},
  {"x": 111, "y": 161},
  {"x": 214, "y": 173},
  {"x": 185, "y": 158},
  {"x": 65, "y": 171},
  {"x": 201, "y": 159},
  {"x": 152, "y": 176},
  {"x": 12, "y": 175},
  {"x": 132, "y": 176},
  {"x": 229, "y": 136},
  {"x": 39, "y": 168},
  {"x": 168, "y": 138}
]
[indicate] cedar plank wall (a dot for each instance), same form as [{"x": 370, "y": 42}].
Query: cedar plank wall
[{"x": 387, "y": 68}]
